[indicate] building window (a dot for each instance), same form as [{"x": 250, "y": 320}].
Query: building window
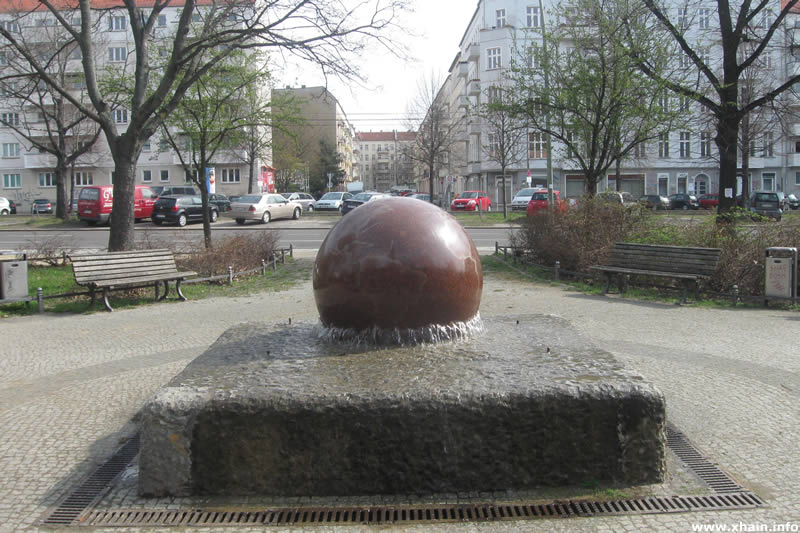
[
  {"x": 769, "y": 149},
  {"x": 534, "y": 17},
  {"x": 797, "y": 178},
  {"x": 493, "y": 59},
  {"x": 703, "y": 15},
  {"x": 684, "y": 104},
  {"x": 768, "y": 181},
  {"x": 493, "y": 147},
  {"x": 47, "y": 179},
  {"x": 705, "y": 144},
  {"x": 12, "y": 181},
  {"x": 9, "y": 119},
  {"x": 640, "y": 151},
  {"x": 230, "y": 175},
  {"x": 663, "y": 145},
  {"x": 117, "y": 23},
  {"x": 162, "y": 21},
  {"x": 10, "y": 149},
  {"x": 83, "y": 179},
  {"x": 537, "y": 148},
  {"x": 10, "y": 26},
  {"x": 146, "y": 147},
  {"x": 164, "y": 175},
  {"x": 500, "y": 17},
  {"x": 705, "y": 55},
  {"x": 117, "y": 54},
  {"x": 147, "y": 176},
  {"x": 685, "y": 145},
  {"x": 683, "y": 17},
  {"x": 121, "y": 116}
]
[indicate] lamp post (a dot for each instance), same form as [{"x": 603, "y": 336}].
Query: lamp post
[{"x": 548, "y": 140}]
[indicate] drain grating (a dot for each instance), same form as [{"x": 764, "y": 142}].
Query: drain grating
[
  {"x": 709, "y": 472},
  {"x": 95, "y": 486},
  {"x": 76, "y": 509}
]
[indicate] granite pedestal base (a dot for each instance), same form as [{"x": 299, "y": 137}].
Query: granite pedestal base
[{"x": 279, "y": 410}]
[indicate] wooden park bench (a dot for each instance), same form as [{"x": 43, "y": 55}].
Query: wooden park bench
[
  {"x": 111, "y": 271},
  {"x": 689, "y": 265}
]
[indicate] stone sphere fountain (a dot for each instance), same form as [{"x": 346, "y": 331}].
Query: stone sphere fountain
[{"x": 403, "y": 388}]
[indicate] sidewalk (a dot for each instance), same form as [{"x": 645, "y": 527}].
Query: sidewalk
[{"x": 70, "y": 386}]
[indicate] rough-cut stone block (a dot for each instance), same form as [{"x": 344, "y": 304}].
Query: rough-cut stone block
[{"x": 282, "y": 411}]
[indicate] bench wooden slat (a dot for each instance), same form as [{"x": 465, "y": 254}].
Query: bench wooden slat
[
  {"x": 686, "y": 263},
  {"x": 118, "y": 270}
]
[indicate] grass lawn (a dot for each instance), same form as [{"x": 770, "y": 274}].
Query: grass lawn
[{"x": 60, "y": 280}]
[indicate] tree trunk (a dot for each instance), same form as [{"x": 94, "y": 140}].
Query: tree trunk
[
  {"x": 201, "y": 181},
  {"x": 252, "y": 179},
  {"x": 503, "y": 186},
  {"x": 63, "y": 198},
  {"x": 122, "y": 237},
  {"x": 727, "y": 139},
  {"x": 430, "y": 175}
]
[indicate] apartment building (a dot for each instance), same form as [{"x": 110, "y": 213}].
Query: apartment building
[
  {"x": 679, "y": 161},
  {"x": 27, "y": 172},
  {"x": 383, "y": 159},
  {"x": 321, "y": 120}
]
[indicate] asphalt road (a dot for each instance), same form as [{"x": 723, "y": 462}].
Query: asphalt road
[{"x": 306, "y": 234}]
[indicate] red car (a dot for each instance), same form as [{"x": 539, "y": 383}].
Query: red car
[
  {"x": 538, "y": 202},
  {"x": 709, "y": 201},
  {"x": 471, "y": 200}
]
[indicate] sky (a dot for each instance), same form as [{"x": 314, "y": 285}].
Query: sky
[{"x": 382, "y": 103}]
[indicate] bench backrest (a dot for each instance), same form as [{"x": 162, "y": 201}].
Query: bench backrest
[
  {"x": 109, "y": 266},
  {"x": 677, "y": 259}
]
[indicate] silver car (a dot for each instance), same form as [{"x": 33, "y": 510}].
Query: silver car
[
  {"x": 520, "y": 201},
  {"x": 263, "y": 207},
  {"x": 332, "y": 201},
  {"x": 302, "y": 198}
]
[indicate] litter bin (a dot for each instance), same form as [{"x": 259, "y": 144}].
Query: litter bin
[
  {"x": 13, "y": 280},
  {"x": 780, "y": 281}
]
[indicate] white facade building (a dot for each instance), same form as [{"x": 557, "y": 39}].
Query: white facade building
[
  {"x": 685, "y": 160},
  {"x": 26, "y": 172}
]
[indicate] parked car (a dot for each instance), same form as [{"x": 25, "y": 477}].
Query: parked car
[
  {"x": 175, "y": 190},
  {"x": 5, "y": 206},
  {"x": 181, "y": 209},
  {"x": 766, "y": 203},
  {"x": 617, "y": 197},
  {"x": 302, "y": 198},
  {"x": 332, "y": 201},
  {"x": 791, "y": 202},
  {"x": 360, "y": 199},
  {"x": 521, "y": 199},
  {"x": 222, "y": 202},
  {"x": 471, "y": 201},
  {"x": 683, "y": 201},
  {"x": 539, "y": 202},
  {"x": 95, "y": 203},
  {"x": 654, "y": 201},
  {"x": 263, "y": 207},
  {"x": 708, "y": 201},
  {"x": 41, "y": 205},
  {"x": 425, "y": 197}
]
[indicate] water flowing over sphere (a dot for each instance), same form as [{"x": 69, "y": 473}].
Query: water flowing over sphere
[{"x": 397, "y": 263}]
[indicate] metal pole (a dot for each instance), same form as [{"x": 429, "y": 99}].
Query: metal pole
[{"x": 548, "y": 141}]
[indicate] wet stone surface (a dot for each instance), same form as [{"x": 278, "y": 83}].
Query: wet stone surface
[{"x": 283, "y": 410}]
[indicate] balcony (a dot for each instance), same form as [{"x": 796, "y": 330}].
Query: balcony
[
  {"x": 463, "y": 103},
  {"x": 474, "y": 87},
  {"x": 474, "y": 127},
  {"x": 794, "y": 160},
  {"x": 463, "y": 69},
  {"x": 473, "y": 52},
  {"x": 39, "y": 161}
]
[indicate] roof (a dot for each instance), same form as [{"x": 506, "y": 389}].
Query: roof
[
  {"x": 15, "y": 6},
  {"x": 385, "y": 136}
]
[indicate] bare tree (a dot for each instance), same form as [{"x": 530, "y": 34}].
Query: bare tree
[
  {"x": 743, "y": 32},
  {"x": 505, "y": 131},
  {"x": 438, "y": 129},
  {"x": 41, "y": 116},
  {"x": 150, "y": 87}
]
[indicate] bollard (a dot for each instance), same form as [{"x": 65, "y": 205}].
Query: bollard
[
  {"x": 230, "y": 275},
  {"x": 263, "y": 268},
  {"x": 274, "y": 262},
  {"x": 283, "y": 256},
  {"x": 734, "y": 294},
  {"x": 40, "y": 299},
  {"x": 557, "y": 270},
  {"x": 496, "y": 247},
  {"x": 291, "y": 250}
]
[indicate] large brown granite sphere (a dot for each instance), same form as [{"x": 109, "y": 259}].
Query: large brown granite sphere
[{"x": 397, "y": 263}]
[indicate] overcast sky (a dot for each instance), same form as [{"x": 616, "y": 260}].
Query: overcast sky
[{"x": 382, "y": 104}]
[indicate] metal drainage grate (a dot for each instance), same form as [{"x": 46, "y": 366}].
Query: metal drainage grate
[
  {"x": 95, "y": 486},
  {"x": 729, "y": 495},
  {"x": 422, "y": 514},
  {"x": 719, "y": 481}
]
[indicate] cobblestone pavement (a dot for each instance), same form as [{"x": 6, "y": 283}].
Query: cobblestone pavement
[{"x": 70, "y": 385}]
